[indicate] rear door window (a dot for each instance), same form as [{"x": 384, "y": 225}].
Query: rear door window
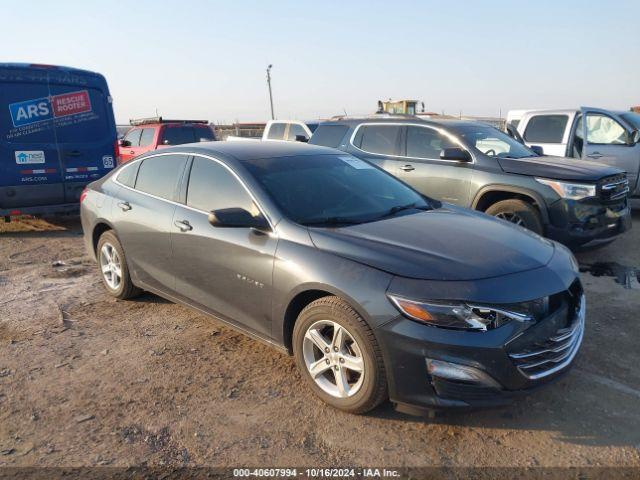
[
  {"x": 425, "y": 142},
  {"x": 546, "y": 128},
  {"x": 160, "y": 175},
  {"x": 203, "y": 134},
  {"x": 146, "y": 138},
  {"x": 276, "y": 131},
  {"x": 381, "y": 139},
  {"x": 127, "y": 175}
]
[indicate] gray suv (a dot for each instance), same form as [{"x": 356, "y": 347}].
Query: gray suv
[
  {"x": 475, "y": 165},
  {"x": 378, "y": 291}
]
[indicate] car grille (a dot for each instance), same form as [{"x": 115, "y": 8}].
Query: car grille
[
  {"x": 615, "y": 187},
  {"x": 546, "y": 357}
]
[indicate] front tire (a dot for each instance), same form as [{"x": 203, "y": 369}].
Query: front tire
[
  {"x": 113, "y": 267},
  {"x": 338, "y": 356},
  {"x": 517, "y": 212}
]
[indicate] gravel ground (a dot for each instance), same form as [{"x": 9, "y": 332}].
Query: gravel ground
[{"x": 88, "y": 380}]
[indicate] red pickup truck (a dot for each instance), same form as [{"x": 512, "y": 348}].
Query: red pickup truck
[{"x": 153, "y": 133}]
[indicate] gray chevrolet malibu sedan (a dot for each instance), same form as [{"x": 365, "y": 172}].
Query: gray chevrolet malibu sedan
[{"x": 379, "y": 292}]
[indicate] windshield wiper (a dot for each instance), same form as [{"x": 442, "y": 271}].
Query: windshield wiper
[
  {"x": 399, "y": 208},
  {"x": 332, "y": 221}
]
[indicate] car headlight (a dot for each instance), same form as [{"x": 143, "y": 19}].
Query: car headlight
[
  {"x": 572, "y": 191},
  {"x": 465, "y": 316}
]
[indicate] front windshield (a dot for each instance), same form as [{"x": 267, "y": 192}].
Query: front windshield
[
  {"x": 333, "y": 189},
  {"x": 633, "y": 118},
  {"x": 493, "y": 142}
]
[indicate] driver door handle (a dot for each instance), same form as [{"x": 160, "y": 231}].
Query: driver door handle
[
  {"x": 183, "y": 225},
  {"x": 407, "y": 168},
  {"x": 595, "y": 155},
  {"x": 124, "y": 206}
]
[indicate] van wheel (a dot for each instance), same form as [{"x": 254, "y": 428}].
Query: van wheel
[
  {"x": 113, "y": 267},
  {"x": 518, "y": 212},
  {"x": 338, "y": 356}
]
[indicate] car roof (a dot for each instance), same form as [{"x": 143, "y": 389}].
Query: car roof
[
  {"x": 408, "y": 119},
  {"x": 242, "y": 151}
]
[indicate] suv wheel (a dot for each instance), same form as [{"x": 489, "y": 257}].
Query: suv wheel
[
  {"x": 518, "y": 212},
  {"x": 339, "y": 357},
  {"x": 113, "y": 267}
]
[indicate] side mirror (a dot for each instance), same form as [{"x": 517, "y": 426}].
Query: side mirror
[
  {"x": 302, "y": 138},
  {"x": 455, "y": 153},
  {"x": 537, "y": 149},
  {"x": 237, "y": 218},
  {"x": 633, "y": 137},
  {"x": 124, "y": 143}
]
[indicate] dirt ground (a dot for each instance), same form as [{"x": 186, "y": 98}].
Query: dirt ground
[{"x": 88, "y": 380}]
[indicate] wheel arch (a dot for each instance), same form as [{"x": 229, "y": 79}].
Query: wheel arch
[
  {"x": 302, "y": 297},
  {"x": 491, "y": 194},
  {"x": 99, "y": 228}
]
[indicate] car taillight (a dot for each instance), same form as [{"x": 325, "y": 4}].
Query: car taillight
[
  {"x": 83, "y": 195},
  {"x": 116, "y": 152}
]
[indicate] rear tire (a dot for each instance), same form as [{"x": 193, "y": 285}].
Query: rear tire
[
  {"x": 331, "y": 339},
  {"x": 518, "y": 212},
  {"x": 113, "y": 269}
]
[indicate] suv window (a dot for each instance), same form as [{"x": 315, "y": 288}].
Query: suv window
[
  {"x": 425, "y": 142},
  {"x": 177, "y": 135},
  {"x": 602, "y": 130},
  {"x": 159, "y": 175},
  {"x": 328, "y": 135},
  {"x": 146, "y": 138},
  {"x": 546, "y": 128},
  {"x": 212, "y": 187},
  {"x": 295, "y": 129},
  {"x": 133, "y": 137},
  {"x": 276, "y": 131},
  {"x": 381, "y": 139}
]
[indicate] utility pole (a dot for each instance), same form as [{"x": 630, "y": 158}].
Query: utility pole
[{"x": 270, "y": 94}]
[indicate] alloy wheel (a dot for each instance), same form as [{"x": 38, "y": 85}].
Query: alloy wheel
[
  {"x": 111, "y": 266},
  {"x": 333, "y": 359},
  {"x": 511, "y": 218}
]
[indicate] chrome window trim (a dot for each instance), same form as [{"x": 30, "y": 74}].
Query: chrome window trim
[
  {"x": 190, "y": 154},
  {"x": 440, "y": 130}
]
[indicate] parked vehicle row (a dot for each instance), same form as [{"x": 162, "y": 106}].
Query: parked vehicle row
[
  {"x": 477, "y": 166},
  {"x": 608, "y": 137},
  {"x": 377, "y": 290}
]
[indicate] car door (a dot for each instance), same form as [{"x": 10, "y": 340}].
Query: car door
[
  {"x": 606, "y": 142},
  {"x": 130, "y": 144},
  {"x": 379, "y": 143},
  {"x": 226, "y": 271},
  {"x": 446, "y": 180},
  {"x": 143, "y": 216}
]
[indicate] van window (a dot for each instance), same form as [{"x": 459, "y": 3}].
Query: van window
[
  {"x": 546, "y": 128},
  {"x": 133, "y": 137},
  {"x": 276, "y": 131},
  {"x": 212, "y": 187},
  {"x": 159, "y": 175},
  {"x": 329, "y": 135},
  {"x": 295, "y": 129},
  {"x": 381, "y": 139},
  {"x": 146, "y": 138}
]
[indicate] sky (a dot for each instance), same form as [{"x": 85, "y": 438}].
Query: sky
[{"x": 202, "y": 59}]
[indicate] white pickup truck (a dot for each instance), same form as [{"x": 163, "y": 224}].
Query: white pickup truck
[
  {"x": 284, "y": 130},
  {"x": 612, "y": 137}
]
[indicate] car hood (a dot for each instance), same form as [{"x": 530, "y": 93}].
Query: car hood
[
  {"x": 558, "y": 168},
  {"x": 448, "y": 243}
]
